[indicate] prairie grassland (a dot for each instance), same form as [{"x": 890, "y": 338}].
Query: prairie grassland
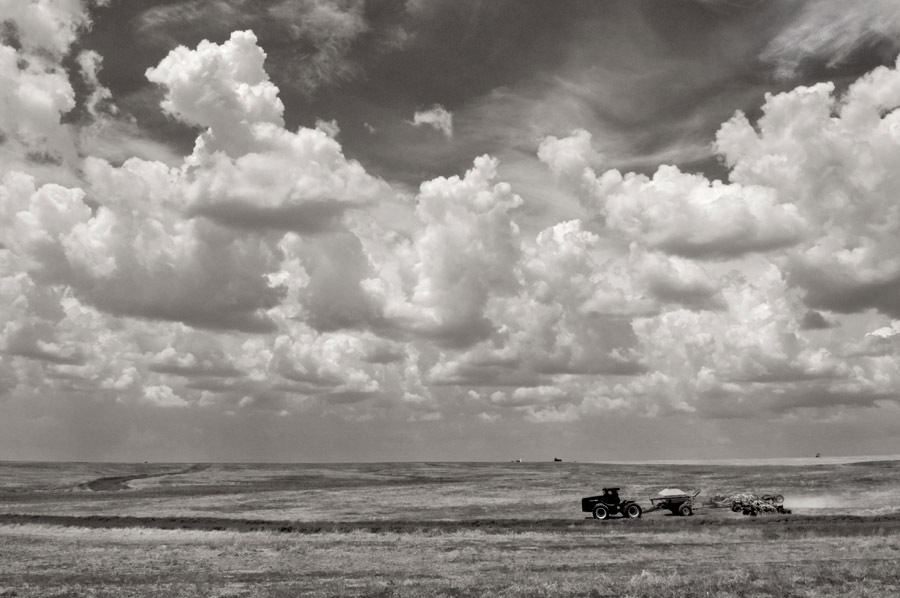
[
  {"x": 444, "y": 529},
  {"x": 45, "y": 561},
  {"x": 427, "y": 491}
]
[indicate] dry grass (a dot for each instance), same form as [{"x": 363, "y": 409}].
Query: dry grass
[
  {"x": 41, "y": 560},
  {"x": 716, "y": 553},
  {"x": 427, "y": 491}
]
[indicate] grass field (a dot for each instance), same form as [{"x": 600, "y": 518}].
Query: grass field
[{"x": 445, "y": 529}]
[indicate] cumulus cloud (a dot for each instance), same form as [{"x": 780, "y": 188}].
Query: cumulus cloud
[
  {"x": 138, "y": 256},
  {"x": 163, "y": 396},
  {"x": 33, "y": 99},
  {"x": 333, "y": 296},
  {"x": 835, "y": 158},
  {"x": 571, "y": 316},
  {"x": 267, "y": 271},
  {"x": 193, "y": 355},
  {"x": 436, "y": 117},
  {"x": 36, "y": 340},
  {"x": 45, "y": 25},
  {"x": 264, "y": 177},
  {"x": 297, "y": 182},
  {"x": 221, "y": 87},
  {"x": 886, "y": 331},
  {"x": 458, "y": 260},
  {"x": 34, "y": 88},
  {"x": 315, "y": 38},
  {"x": 675, "y": 280},
  {"x": 135, "y": 253},
  {"x": 139, "y": 252},
  {"x": 745, "y": 350},
  {"x": 570, "y": 155},
  {"x": 686, "y": 214}
]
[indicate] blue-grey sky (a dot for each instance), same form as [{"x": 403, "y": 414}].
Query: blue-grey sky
[{"x": 371, "y": 230}]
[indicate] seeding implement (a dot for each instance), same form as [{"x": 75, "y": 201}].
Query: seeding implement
[{"x": 750, "y": 504}]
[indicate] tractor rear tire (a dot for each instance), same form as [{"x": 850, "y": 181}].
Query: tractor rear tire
[
  {"x": 633, "y": 511},
  {"x": 601, "y": 513},
  {"x": 685, "y": 510}
]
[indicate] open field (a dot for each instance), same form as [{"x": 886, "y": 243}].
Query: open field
[{"x": 444, "y": 529}]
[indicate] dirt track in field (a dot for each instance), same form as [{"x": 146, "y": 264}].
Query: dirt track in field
[
  {"x": 116, "y": 483},
  {"x": 825, "y": 525}
]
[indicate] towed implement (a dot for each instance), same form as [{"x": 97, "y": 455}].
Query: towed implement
[
  {"x": 675, "y": 501},
  {"x": 754, "y": 505}
]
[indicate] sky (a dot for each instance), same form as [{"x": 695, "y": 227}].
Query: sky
[{"x": 347, "y": 230}]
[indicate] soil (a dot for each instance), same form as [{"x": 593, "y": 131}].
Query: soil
[{"x": 819, "y": 524}]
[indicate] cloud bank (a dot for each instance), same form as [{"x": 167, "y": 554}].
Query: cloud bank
[{"x": 266, "y": 272}]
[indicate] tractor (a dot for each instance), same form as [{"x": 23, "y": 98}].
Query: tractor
[{"x": 606, "y": 505}]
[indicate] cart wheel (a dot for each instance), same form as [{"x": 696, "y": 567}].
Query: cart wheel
[
  {"x": 601, "y": 513},
  {"x": 778, "y": 499},
  {"x": 633, "y": 511},
  {"x": 685, "y": 510},
  {"x": 736, "y": 507}
]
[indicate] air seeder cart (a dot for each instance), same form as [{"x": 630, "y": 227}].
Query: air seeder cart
[{"x": 676, "y": 501}]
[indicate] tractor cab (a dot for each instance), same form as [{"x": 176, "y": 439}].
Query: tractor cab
[{"x": 610, "y": 496}]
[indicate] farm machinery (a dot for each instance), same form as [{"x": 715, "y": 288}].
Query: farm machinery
[
  {"x": 608, "y": 504},
  {"x": 675, "y": 501},
  {"x": 679, "y": 502},
  {"x": 604, "y": 506},
  {"x": 753, "y": 505}
]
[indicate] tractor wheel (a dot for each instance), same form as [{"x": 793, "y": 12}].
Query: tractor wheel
[
  {"x": 633, "y": 511},
  {"x": 685, "y": 510},
  {"x": 601, "y": 512},
  {"x": 736, "y": 507},
  {"x": 778, "y": 499}
]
